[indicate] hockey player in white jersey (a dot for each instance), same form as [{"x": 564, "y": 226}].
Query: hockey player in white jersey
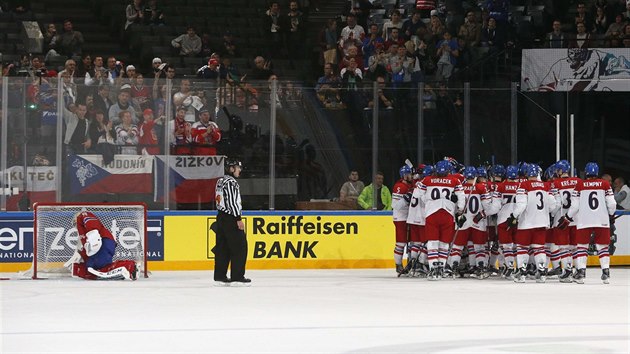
[
  {"x": 534, "y": 203},
  {"x": 592, "y": 207},
  {"x": 506, "y": 195},
  {"x": 563, "y": 239},
  {"x": 401, "y": 196},
  {"x": 416, "y": 221}
]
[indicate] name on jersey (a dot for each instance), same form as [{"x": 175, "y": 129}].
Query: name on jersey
[
  {"x": 510, "y": 187},
  {"x": 593, "y": 184},
  {"x": 538, "y": 184},
  {"x": 568, "y": 183},
  {"x": 441, "y": 180},
  {"x": 294, "y": 225}
]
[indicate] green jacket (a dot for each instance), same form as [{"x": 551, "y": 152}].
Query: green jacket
[{"x": 365, "y": 198}]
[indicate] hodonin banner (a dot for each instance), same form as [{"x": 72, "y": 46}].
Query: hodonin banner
[
  {"x": 576, "y": 69},
  {"x": 125, "y": 174}
]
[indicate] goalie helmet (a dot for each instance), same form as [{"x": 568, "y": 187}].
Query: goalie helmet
[
  {"x": 470, "y": 172},
  {"x": 405, "y": 170},
  {"x": 511, "y": 172},
  {"x": 591, "y": 169}
]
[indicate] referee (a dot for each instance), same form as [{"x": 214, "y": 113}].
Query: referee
[{"x": 231, "y": 245}]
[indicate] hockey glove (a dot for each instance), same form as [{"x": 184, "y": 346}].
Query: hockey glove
[
  {"x": 461, "y": 220},
  {"x": 407, "y": 197},
  {"x": 564, "y": 222},
  {"x": 454, "y": 198},
  {"x": 512, "y": 221},
  {"x": 480, "y": 215},
  {"x": 611, "y": 218}
]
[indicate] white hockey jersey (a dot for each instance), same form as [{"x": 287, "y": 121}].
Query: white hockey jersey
[
  {"x": 534, "y": 203},
  {"x": 401, "y": 195},
  {"x": 478, "y": 199},
  {"x": 416, "y": 207},
  {"x": 506, "y": 196},
  {"x": 592, "y": 202},
  {"x": 564, "y": 187},
  {"x": 436, "y": 193}
]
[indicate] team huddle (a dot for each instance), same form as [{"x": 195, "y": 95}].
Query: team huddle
[{"x": 459, "y": 221}]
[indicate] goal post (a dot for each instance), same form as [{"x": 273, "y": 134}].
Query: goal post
[{"x": 55, "y": 237}]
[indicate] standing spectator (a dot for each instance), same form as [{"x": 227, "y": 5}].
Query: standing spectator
[
  {"x": 470, "y": 31},
  {"x": 84, "y": 67},
  {"x": 369, "y": 44},
  {"x": 127, "y": 134},
  {"x": 134, "y": 13},
  {"x": 51, "y": 41},
  {"x": 394, "y": 22},
  {"x": 122, "y": 104},
  {"x": 274, "y": 27},
  {"x": 102, "y": 135},
  {"x": 352, "y": 188},
  {"x": 328, "y": 40},
  {"x": 189, "y": 44},
  {"x": 622, "y": 193},
  {"x": 436, "y": 27},
  {"x": 352, "y": 27},
  {"x": 101, "y": 100},
  {"x": 385, "y": 96},
  {"x": 351, "y": 76},
  {"x": 77, "y": 139},
  {"x": 394, "y": 38},
  {"x": 70, "y": 41},
  {"x": 296, "y": 29},
  {"x": 353, "y": 53},
  {"x": 153, "y": 15},
  {"x": 411, "y": 26},
  {"x": 70, "y": 68},
  {"x": 327, "y": 87},
  {"x": 231, "y": 242},
  {"x": 555, "y": 38},
  {"x": 140, "y": 93},
  {"x": 205, "y": 134},
  {"x": 148, "y": 140},
  {"x": 615, "y": 31},
  {"x": 383, "y": 196},
  {"x": 447, "y": 53},
  {"x": 210, "y": 71},
  {"x": 179, "y": 129},
  {"x": 377, "y": 63}
]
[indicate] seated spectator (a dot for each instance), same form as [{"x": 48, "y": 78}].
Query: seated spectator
[
  {"x": 210, "y": 71},
  {"x": 351, "y": 76},
  {"x": 115, "y": 68},
  {"x": 134, "y": 13},
  {"x": 70, "y": 41},
  {"x": 622, "y": 193},
  {"x": 383, "y": 196},
  {"x": 470, "y": 31},
  {"x": 261, "y": 70},
  {"x": 369, "y": 43},
  {"x": 394, "y": 38},
  {"x": 352, "y": 27},
  {"x": 292, "y": 96},
  {"x": 447, "y": 53},
  {"x": 353, "y": 53},
  {"x": 189, "y": 44},
  {"x": 51, "y": 42},
  {"x": 153, "y": 15},
  {"x": 122, "y": 104},
  {"x": 229, "y": 45},
  {"x": 149, "y": 133},
  {"x": 205, "y": 134},
  {"x": 84, "y": 67},
  {"x": 582, "y": 39},
  {"x": 352, "y": 188},
  {"x": 127, "y": 134},
  {"x": 140, "y": 93},
  {"x": 70, "y": 67},
  {"x": 155, "y": 64},
  {"x": 626, "y": 37},
  {"x": 492, "y": 37},
  {"x": 411, "y": 26},
  {"x": 615, "y": 31},
  {"x": 130, "y": 73},
  {"x": 327, "y": 87},
  {"x": 555, "y": 38},
  {"x": 228, "y": 71},
  {"x": 583, "y": 17},
  {"x": 498, "y": 9},
  {"x": 180, "y": 133},
  {"x": 393, "y": 22}
]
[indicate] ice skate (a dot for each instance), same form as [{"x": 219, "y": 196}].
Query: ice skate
[
  {"x": 411, "y": 267},
  {"x": 493, "y": 271},
  {"x": 579, "y": 276},
  {"x": 434, "y": 272},
  {"x": 448, "y": 271},
  {"x": 557, "y": 271},
  {"x": 400, "y": 270},
  {"x": 605, "y": 275},
  {"x": 519, "y": 276},
  {"x": 541, "y": 274},
  {"x": 530, "y": 272},
  {"x": 566, "y": 276},
  {"x": 508, "y": 273}
]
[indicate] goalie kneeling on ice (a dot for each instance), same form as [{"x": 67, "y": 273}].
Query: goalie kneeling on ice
[{"x": 95, "y": 252}]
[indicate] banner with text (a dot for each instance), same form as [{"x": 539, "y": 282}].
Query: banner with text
[
  {"x": 125, "y": 174},
  {"x": 576, "y": 69},
  {"x": 41, "y": 182},
  {"x": 191, "y": 178}
]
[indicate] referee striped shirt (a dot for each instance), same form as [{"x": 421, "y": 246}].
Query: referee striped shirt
[{"x": 228, "y": 196}]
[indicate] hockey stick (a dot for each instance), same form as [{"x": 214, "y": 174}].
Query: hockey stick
[{"x": 120, "y": 273}]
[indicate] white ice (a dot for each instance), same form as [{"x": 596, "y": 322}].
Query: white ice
[{"x": 315, "y": 311}]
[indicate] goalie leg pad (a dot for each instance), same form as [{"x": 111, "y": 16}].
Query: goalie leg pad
[
  {"x": 80, "y": 271},
  {"x": 127, "y": 264},
  {"x": 119, "y": 273}
]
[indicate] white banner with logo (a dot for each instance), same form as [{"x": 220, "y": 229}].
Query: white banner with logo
[
  {"x": 576, "y": 69},
  {"x": 38, "y": 178}
]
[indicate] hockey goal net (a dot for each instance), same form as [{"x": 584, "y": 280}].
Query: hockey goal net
[{"x": 55, "y": 237}]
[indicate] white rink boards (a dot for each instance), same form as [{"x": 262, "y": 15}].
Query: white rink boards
[{"x": 315, "y": 311}]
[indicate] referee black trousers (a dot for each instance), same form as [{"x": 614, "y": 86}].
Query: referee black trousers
[{"x": 231, "y": 248}]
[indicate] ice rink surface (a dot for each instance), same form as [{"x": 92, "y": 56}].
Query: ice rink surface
[{"x": 315, "y": 311}]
